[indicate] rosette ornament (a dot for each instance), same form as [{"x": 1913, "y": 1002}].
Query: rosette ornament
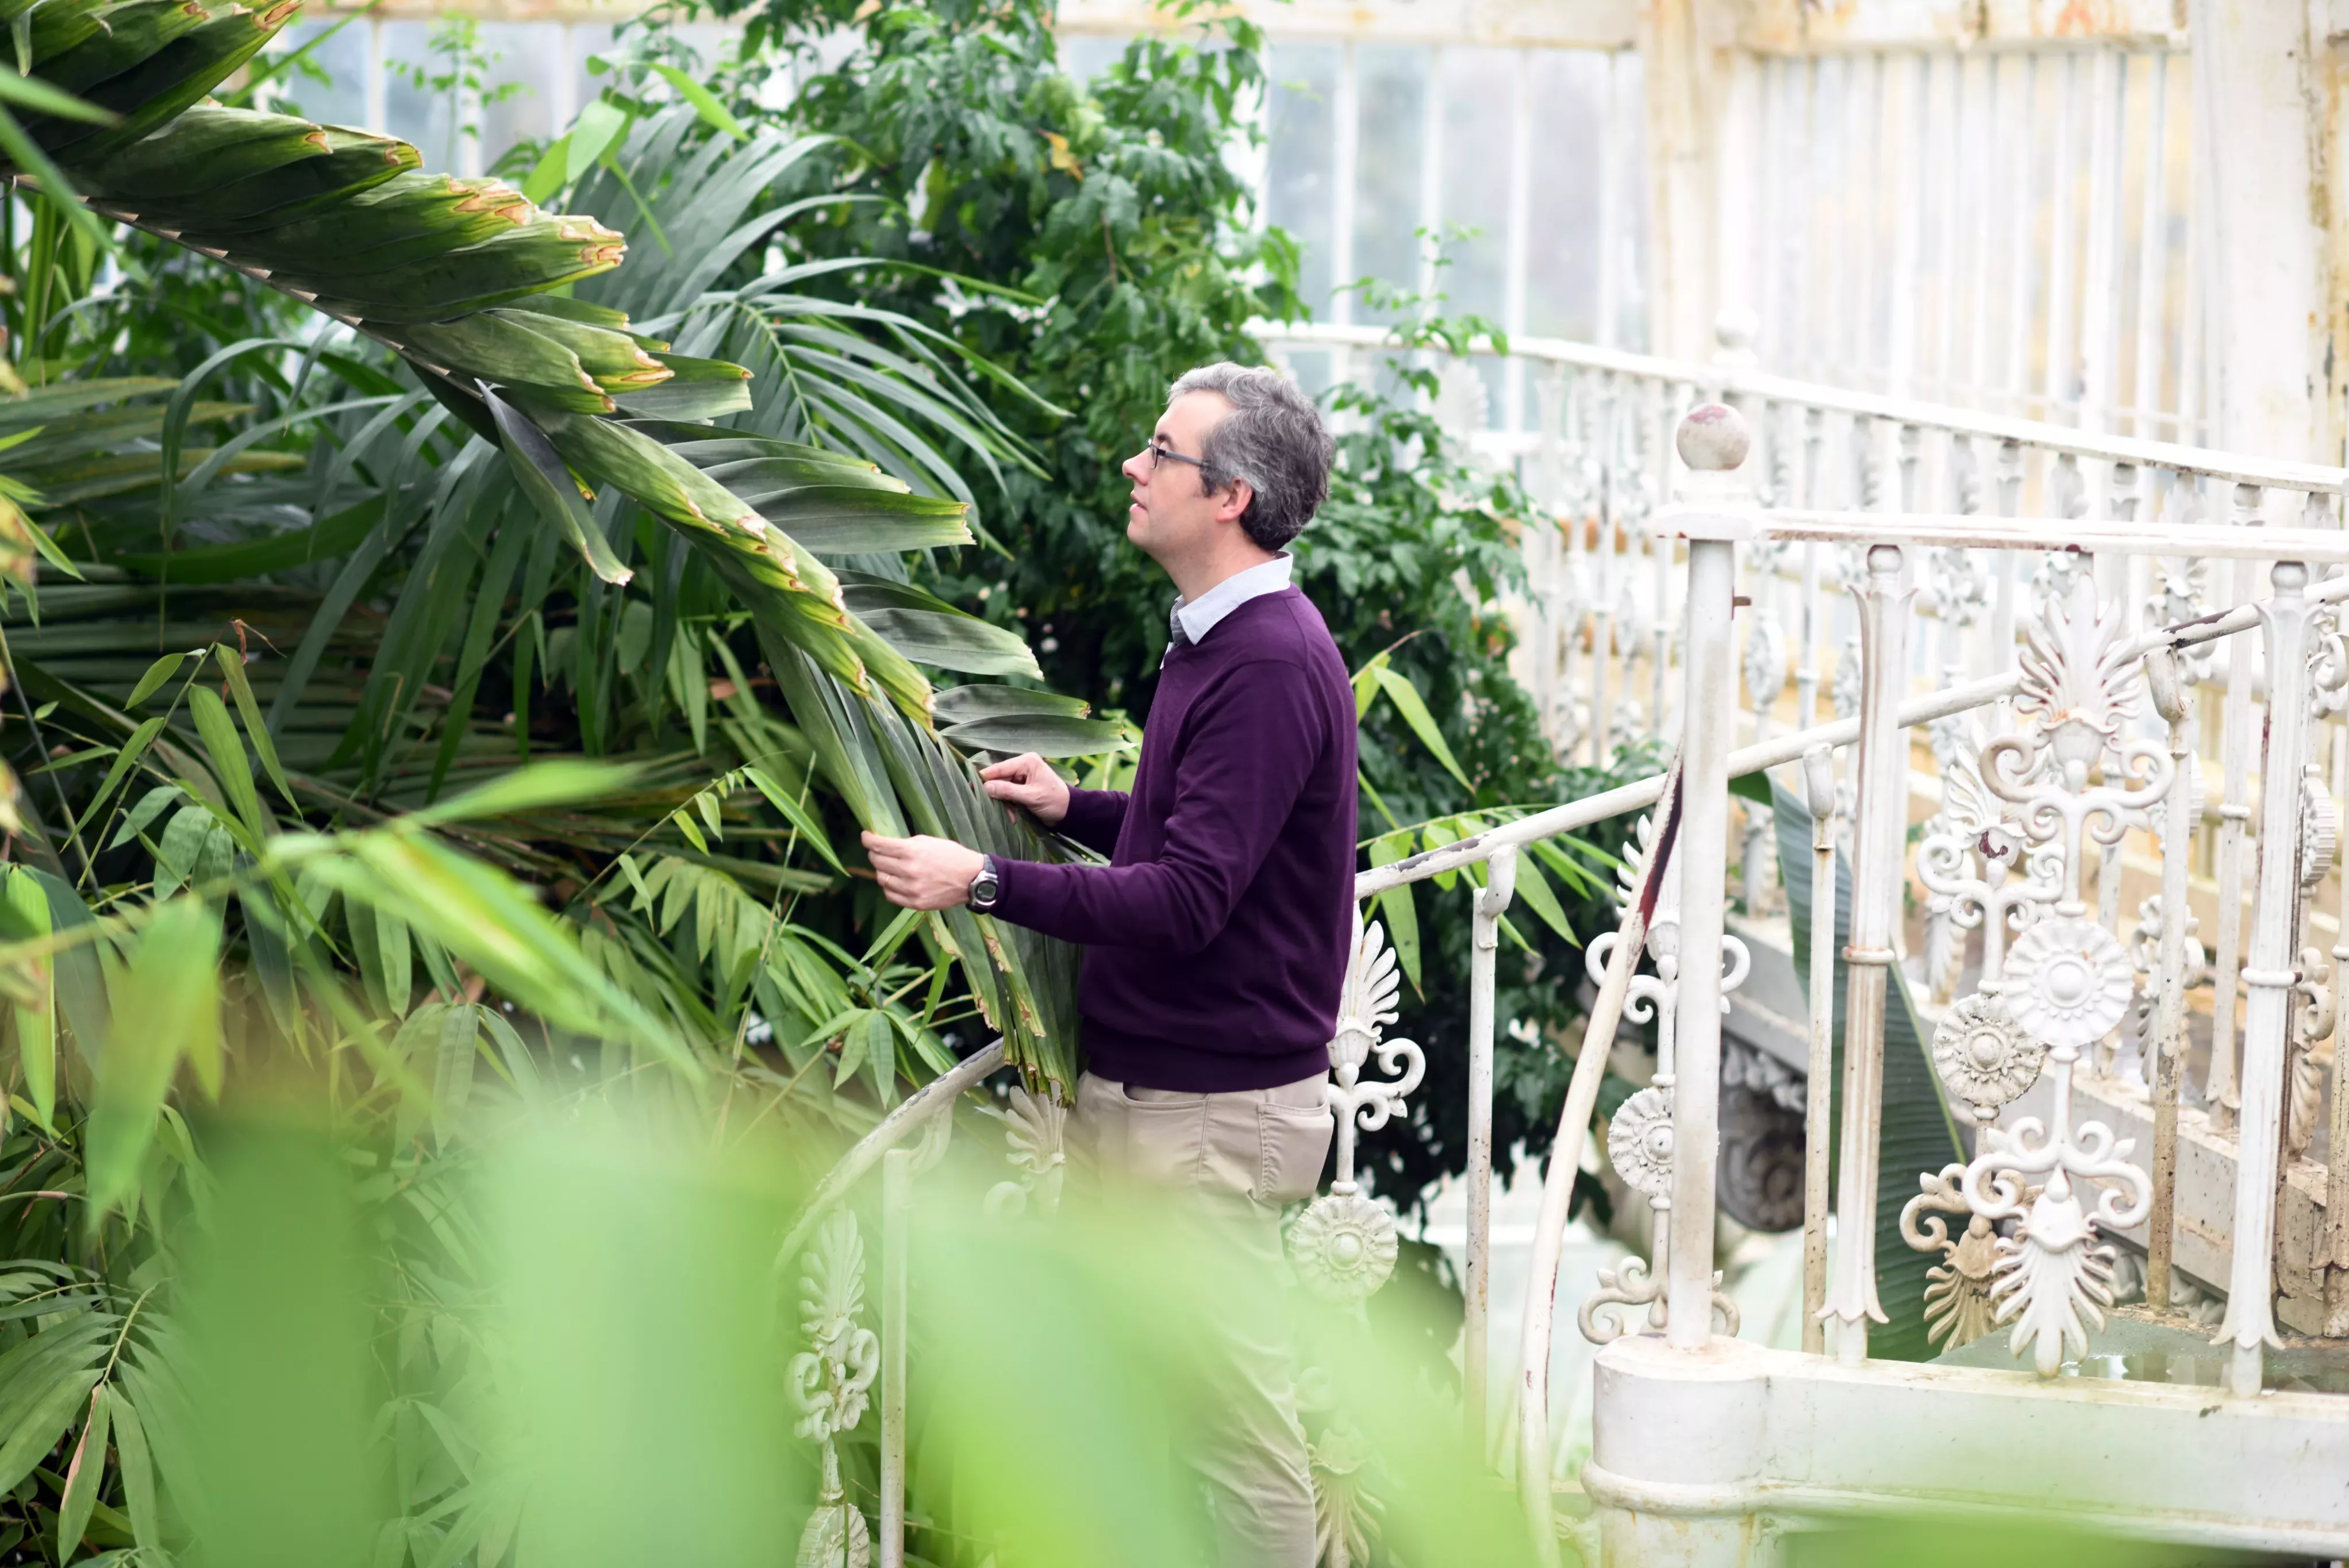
[
  {"x": 1343, "y": 1247},
  {"x": 2067, "y": 982},
  {"x": 1639, "y": 1142},
  {"x": 1982, "y": 1058}
]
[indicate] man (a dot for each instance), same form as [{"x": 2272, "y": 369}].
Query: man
[{"x": 1216, "y": 937}]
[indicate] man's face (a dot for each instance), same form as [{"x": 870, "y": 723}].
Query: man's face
[{"x": 1174, "y": 516}]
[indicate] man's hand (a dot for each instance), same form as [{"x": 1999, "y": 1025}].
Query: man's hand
[
  {"x": 1029, "y": 780},
  {"x": 923, "y": 872}
]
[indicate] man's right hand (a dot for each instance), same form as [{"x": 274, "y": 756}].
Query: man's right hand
[{"x": 1029, "y": 780}]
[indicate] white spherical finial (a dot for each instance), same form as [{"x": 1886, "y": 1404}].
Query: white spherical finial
[{"x": 1713, "y": 439}]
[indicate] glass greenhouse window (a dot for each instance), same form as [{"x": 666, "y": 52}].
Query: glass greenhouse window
[{"x": 1301, "y": 185}]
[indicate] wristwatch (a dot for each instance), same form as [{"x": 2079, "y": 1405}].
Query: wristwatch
[{"x": 984, "y": 885}]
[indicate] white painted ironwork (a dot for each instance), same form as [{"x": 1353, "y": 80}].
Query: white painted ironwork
[
  {"x": 830, "y": 1380},
  {"x": 1344, "y": 1244}
]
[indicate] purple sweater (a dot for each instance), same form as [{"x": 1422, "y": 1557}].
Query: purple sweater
[{"x": 1216, "y": 938}]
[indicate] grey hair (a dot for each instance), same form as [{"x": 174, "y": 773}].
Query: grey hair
[{"x": 1274, "y": 439}]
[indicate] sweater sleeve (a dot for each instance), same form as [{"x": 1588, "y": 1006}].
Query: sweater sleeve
[
  {"x": 1253, "y": 745},
  {"x": 1093, "y": 818}
]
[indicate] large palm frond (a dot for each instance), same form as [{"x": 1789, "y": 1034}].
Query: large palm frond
[{"x": 597, "y": 422}]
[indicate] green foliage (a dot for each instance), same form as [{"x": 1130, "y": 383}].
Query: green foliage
[
  {"x": 467, "y": 721},
  {"x": 1119, "y": 243}
]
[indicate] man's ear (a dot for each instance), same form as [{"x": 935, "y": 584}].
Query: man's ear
[{"x": 1231, "y": 505}]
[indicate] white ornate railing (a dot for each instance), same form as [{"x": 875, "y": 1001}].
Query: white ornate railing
[{"x": 2059, "y": 749}]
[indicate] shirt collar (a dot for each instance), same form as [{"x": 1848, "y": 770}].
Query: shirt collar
[{"x": 1200, "y": 616}]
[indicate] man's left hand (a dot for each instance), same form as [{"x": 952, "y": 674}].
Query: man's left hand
[{"x": 923, "y": 872}]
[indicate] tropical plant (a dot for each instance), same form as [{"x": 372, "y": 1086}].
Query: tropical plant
[
  {"x": 272, "y": 816},
  {"x": 1121, "y": 233}
]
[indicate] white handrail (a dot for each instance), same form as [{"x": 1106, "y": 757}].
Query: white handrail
[
  {"x": 1731, "y": 382},
  {"x": 1781, "y": 748}
]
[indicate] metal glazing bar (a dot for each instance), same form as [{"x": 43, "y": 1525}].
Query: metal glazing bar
[
  {"x": 1879, "y": 823},
  {"x": 1431, "y": 176},
  {"x": 1346, "y": 119},
  {"x": 1905, "y": 85},
  {"x": 1863, "y": 199},
  {"x": 2062, "y": 355},
  {"x": 1519, "y": 235},
  {"x": 1944, "y": 129},
  {"x": 2269, "y": 977},
  {"x": 1978, "y": 130},
  {"x": 1612, "y": 141},
  {"x": 1491, "y": 902},
  {"x": 2153, "y": 249},
  {"x": 2107, "y": 95},
  {"x": 2022, "y": 139}
]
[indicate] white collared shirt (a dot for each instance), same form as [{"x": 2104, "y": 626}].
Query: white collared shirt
[{"x": 1265, "y": 578}]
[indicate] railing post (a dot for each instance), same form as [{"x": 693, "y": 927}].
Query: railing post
[
  {"x": 1491, "y": 903},
  {"x": 1877, "y": 840},
  {"x": 2222, "y": 1089},
  {"x": 2269, "y": 977},
  {"x": 2172, "y": 698},
  {"x": 1713, "y": 516},
  {"x": 896, "y": 1211},
  {"x": 1818, "y": 786}
]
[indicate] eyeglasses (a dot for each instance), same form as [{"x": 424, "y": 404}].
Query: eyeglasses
[{"x": 1159, "y": 453}]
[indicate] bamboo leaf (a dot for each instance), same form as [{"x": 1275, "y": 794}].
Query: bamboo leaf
[
  {"x": 600, "y": 124},
  {"x": 137, "y": 1471},
  {"x": 85, "y": 1474},
  {"x": 124, "y": 761},
  {"x": 38, "y": 1417},
  {"x": 1395, "y": 906},
  {"x": 810, "y": 831},
  {"x": 157, "y": 673},
  {"x": 1535, "y": 890},
  {"x": 530, "y": 789},
  {"x": 28, "y": 915},
  {"x": 705, "y": 102},
  {"x": 231, "y": 666},
  {"x": 167, "y": 1007},
  {"x": 230, "y": 764},
  {"x": 1414, "y": 708}
]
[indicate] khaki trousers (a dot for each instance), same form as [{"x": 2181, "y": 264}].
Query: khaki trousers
[{"x": 1245, "y": 1156}]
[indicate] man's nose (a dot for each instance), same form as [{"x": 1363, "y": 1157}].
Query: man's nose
[{"x": 1131, "y": 468}]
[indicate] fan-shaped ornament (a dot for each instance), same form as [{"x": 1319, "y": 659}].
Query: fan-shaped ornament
[
  {"x": 1639, "y": 1142},
  {"x": 1982, "y": 1057},
  {"x": 2320, "y": 828},
  {"x": 2067, "y": 982},
  {"x": 1343, "y": 1247},
  {"x": 836, "y": 1537}
]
